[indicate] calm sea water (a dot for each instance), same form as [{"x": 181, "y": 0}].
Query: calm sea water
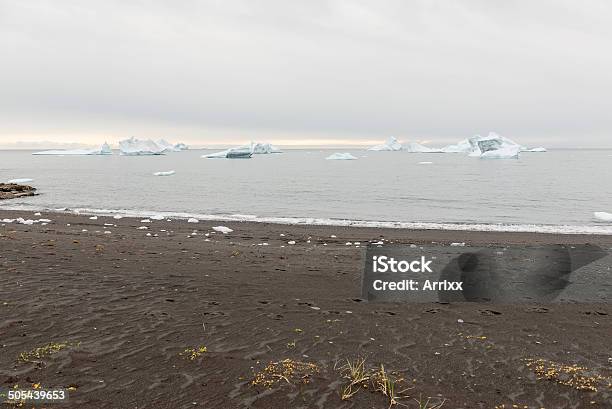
[{"x": 557, "y": 188}]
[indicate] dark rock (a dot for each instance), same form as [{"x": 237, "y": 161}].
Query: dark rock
[{"x": 13, "y": 190}]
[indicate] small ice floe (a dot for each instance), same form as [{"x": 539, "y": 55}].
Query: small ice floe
[
  {"x": 37, "y": 214},
  {"x": 282, "y": 235},
  {"x": 378, "y": 242},
  {"x": 28, "y": 222},
  {"x": 20, "y": 180},
  {"x": 425, "y": 163},
  {"x": 603, "y": 216},
  {"x": 460, "y": 321},
  {"x": 291, "y": 242},
  {"x": 457, "y": 244},
  {"x": 84, "y": 230},
  {"x": 148, "y": 234},
  {"x": 107, "y": 232},
  {"x": 348, "y": 243},
  {"x": 538, "y": 149},
  {"x": 44, "y": 220},
  {"x": 341, "y": 156},
  {"x": 145, "y": 221},
  {"x": 333, "y": 236},
  {"x": 142, "y": 228},
  {"x": 222, "y": 229},
  {"x": 192, "y": 220},
  {"x": 93, "y": 218},
  {"x": 108, "y": 224},
  {"x": 117, "y": 217},
  {"x": 164, "y": 173},
  {"x": 8, "y": 220},
  {"x": 157, "y": 217}
]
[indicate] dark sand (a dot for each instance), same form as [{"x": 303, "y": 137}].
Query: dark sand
[{"x": 129, "y": 304}]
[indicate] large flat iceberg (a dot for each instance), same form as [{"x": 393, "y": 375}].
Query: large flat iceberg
[
  {"x": 391, "y": 144},
  {"x": 341, "y": 156},
  {"x": 241, "y": 152},
  {"x": 137, "y": 147},
  {"x": 104, "y": 149}
]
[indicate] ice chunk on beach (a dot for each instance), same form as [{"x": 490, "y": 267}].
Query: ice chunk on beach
[
  {"x": 136, "y": 147},
  {"x": 222, "y": 229},
  {"x": 603, "y": 216},
  {"x": 341, "y": 156},
  {"x": 391, "y": 144},
  {"x": 414, "y": 147},
  {"x": 164, "y": 173},
  {"x": 21, "y": 180},
  {"x": 104, "y": 149},
  {"x": 264, "y": 148}
]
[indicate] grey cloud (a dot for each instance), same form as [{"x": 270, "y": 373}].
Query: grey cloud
[{"x": 436, "y": 70}]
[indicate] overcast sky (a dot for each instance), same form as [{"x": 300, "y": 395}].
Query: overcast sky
[{"x": 337, "y": 71}]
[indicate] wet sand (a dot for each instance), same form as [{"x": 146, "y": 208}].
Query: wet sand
[{"x": 122, "y": 308}]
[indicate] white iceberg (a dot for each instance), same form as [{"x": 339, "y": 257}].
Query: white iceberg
[
  {"x": 414, "y": 147},
  {"x": 476, "y": 145},
  {"x": 180, "y": 147},
  {"x": 462, "y": 146},
  {"x": 241, "y": 152},
  {"x": 391, "y": 144},
  {"x": 341, "y": 156},
  {"x": 263, "y": 148},
  {"x": 104, "y": 149},
  {"x": 507, "y": 152},
  {"x": 136, "y": 147},
  {"x": 164, "y": 173},
  {"x": 19, "y": 181},
  {"x": 165, "y": 145},
  {"x": 603, "y": 216}
]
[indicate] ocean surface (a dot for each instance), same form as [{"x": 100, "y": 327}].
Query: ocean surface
[{"x": 557, "y": 191}]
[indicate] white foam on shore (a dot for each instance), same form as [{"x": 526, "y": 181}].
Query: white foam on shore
[{"x": 492, "y": 227}]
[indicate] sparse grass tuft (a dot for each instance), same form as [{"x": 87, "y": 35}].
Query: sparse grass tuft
[
  {"x": 360, "y": 377},
  {"x": 287, "y": 370},
  {"x": 355, "y": 372},
  {"x": 193, "y": 353},
  {"x": 428, "y": 404},
  {"x": 37, "y": 354}
]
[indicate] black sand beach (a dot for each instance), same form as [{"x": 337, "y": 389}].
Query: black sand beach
[{"x": 177, "y": 320}]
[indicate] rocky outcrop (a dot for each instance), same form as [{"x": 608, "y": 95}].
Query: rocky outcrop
[{"x": 13, "y": 190}]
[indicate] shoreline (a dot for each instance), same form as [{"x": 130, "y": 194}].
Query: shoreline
[
  {"x": 601, "y": 229},
  {"x": 171, "y": 314}
]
